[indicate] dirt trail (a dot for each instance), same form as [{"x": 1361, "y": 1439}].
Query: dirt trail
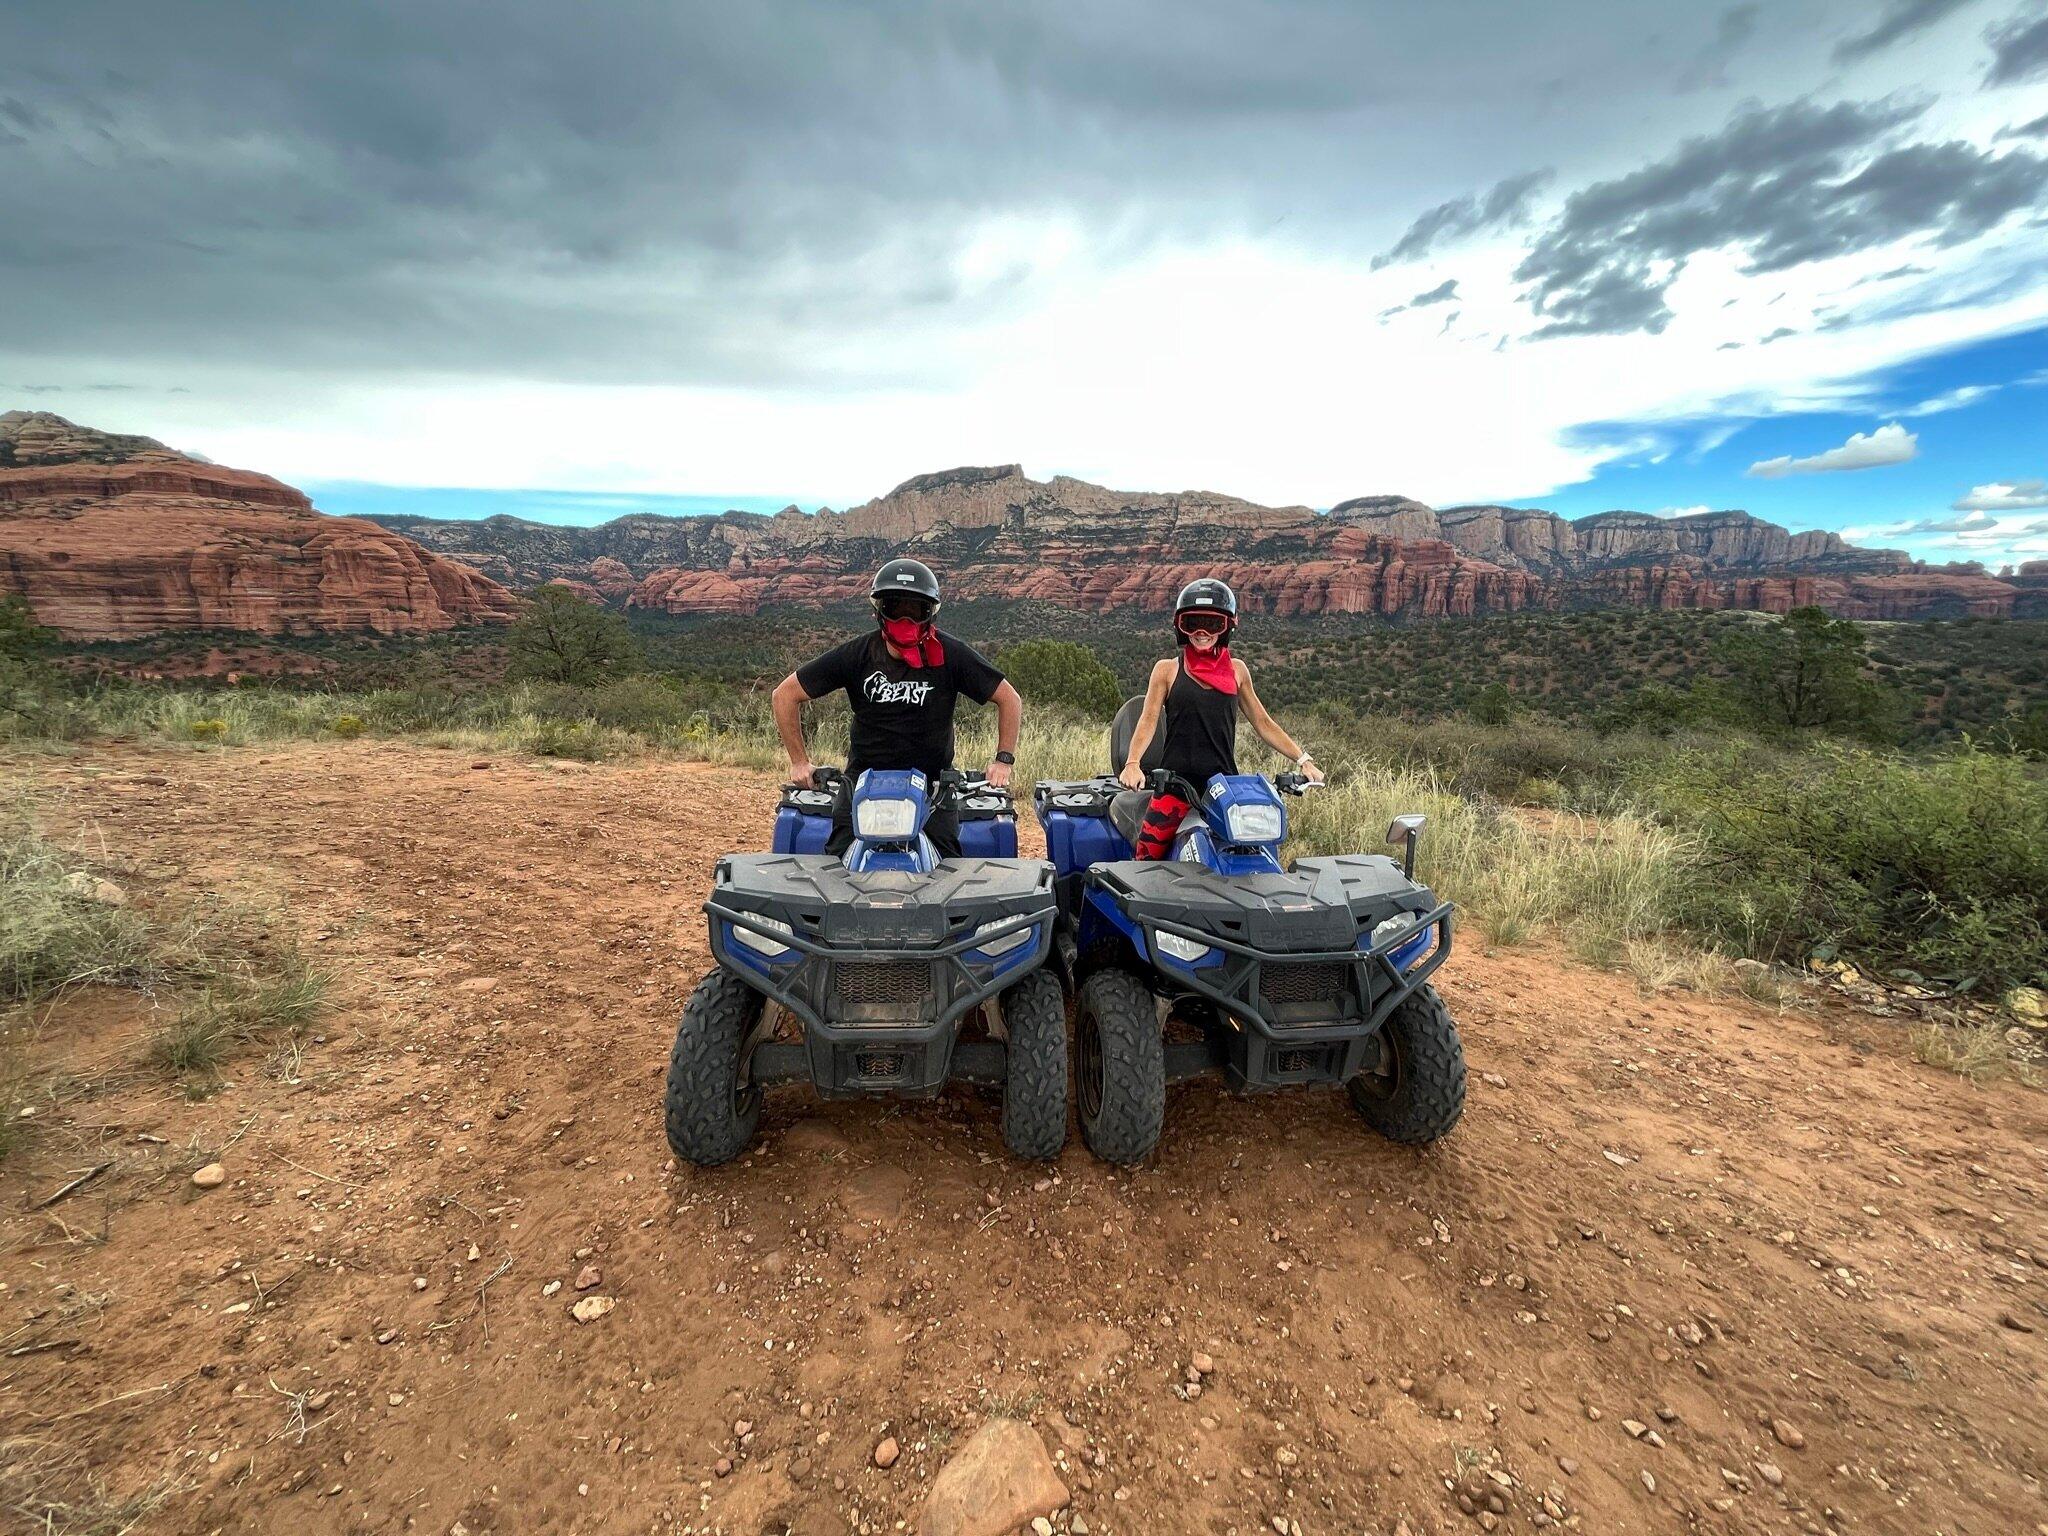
[{"x": 1681, "y": 1217}]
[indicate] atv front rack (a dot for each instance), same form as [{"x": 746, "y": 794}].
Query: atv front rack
[{"x": 795, "y": 986}]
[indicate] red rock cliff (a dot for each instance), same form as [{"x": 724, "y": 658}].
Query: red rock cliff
[{"x": 110, "y": 538}]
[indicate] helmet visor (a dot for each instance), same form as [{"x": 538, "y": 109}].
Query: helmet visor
[
  {"x": 1201, "y": 623},
  {"x": 906, "y": 605}
]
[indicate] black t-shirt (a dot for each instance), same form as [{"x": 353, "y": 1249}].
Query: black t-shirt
[{"x": 902, "y": 716}]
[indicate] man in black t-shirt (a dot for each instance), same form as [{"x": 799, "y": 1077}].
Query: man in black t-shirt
[{"x": 902, "y": 680}]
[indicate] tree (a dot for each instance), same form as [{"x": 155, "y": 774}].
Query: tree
[
  {"x": 1061, "y": 672},
  {"x": 22, "y": 639},
  {"x": 1806, "y": 672},
  {"x": 560, "y": 638},
  {"x": 24, "y": 673},
  {"x": 1493, "y": 705}
]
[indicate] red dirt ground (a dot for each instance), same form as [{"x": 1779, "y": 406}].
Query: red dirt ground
[{"x": 1683, "y": 1216}]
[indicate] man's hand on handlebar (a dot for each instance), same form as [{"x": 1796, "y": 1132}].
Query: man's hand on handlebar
[
  {"x": 1133, "y": 777},
  {"x": 803, "y": 775},
  {"x": 998, "y": 776}
]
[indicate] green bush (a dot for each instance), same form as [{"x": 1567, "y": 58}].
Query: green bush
[
  {"x": 208, "y": 730},
  {"x": 1937, "y": 867},
  {"x": 347, "y": 726},
  {"x": 1059, "y": 672}
]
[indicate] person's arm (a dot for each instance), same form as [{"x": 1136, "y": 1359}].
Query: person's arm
[
  {"x": 1009, "y": 722},
  {"x": 788, "y": 703},
  {"x": 1133, "y": 775},
  {"x": 1269, "y": 728}
]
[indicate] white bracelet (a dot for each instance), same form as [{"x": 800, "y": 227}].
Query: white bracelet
[{"x": 1304, "y": 758}]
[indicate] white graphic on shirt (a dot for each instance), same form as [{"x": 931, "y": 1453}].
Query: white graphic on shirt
[{"x": 877, "y": 689}]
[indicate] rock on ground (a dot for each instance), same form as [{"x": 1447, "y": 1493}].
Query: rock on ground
[{"x": 1001, "y": 1479}]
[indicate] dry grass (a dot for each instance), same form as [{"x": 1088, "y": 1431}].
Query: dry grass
[
  {"x": 53, "y": 933},
  {"x": 1976, "y": 1051},
  {"x": 228, "y": 973},
  {"x": 238, "y": 1009},
  {"x": 48, "y": 1488}
]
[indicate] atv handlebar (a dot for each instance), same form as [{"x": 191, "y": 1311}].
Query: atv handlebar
[
  {"x": 951, "y": 784},
  {"x": 1164, "y": 779}
]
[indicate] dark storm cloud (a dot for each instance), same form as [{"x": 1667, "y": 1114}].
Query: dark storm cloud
[
  {"x": 1442, "y": 293},
  {"x": 2037, "y": 129},
  {"x": 1900, "y": 19},
  {"x": 645, "y": 190},
  {"x": 1735, "y": 27},
  {"x": 1784, "y": 185},
  {"x": 1507, "y": 203},
  {"x": 2019, "y": 51}
]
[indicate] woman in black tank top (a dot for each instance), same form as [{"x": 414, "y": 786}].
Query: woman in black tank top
[{"x": 1191, "y": 704}]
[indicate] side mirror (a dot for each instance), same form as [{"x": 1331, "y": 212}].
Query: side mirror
[{"x": 1406, "y": 830}]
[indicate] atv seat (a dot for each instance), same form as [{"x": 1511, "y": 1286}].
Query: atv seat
[{"x": 1123, "y": 728}]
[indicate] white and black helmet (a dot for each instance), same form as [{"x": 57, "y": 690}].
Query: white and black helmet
[
  {"x": 1206, "y": 596},
  {"x": 912, "y": 576}
]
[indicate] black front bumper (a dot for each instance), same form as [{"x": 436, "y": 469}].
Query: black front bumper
[
  {"x": 880, "y": 969},
  {"x": 1258, "y": 1040},
  {"x": 1279, "y": 1015}
]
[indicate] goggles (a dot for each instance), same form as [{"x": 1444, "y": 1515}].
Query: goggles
[
  {"x": 905, "y": 605},
  {"x": 1202, "y": 623}
]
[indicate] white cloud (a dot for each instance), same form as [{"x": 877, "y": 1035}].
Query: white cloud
[
  {"x": 2004, "y": 496},
  {"x": 1989, "y": 539},
  {"x": 1681, "y": 511},
  {"x": 1951, "y": 400},
  {"x": 1889, "y": 444}
]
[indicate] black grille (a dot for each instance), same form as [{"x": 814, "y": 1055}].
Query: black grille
[
  {"x": 1296, "y": 1061},
  {"x": 888, "y": 984},
  {"x": 880, "y": 1064},
  {"x": 1282, "y": 985}
]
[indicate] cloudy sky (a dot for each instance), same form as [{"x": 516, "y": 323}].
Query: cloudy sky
[{"x": 568, "y": 259}]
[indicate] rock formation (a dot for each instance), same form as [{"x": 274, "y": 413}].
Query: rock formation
[
  {"x": 998, "y": 534},
  {"x": 111, "y": 537}
]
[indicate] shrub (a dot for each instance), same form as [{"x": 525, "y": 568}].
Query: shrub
[
  {"x": 1060, "y": 672},
  {"x": 1936, "y": 867},
  {"x": 1493, "y": 705},
  {"x": 347, "y": 726},
  {"x": 208, "y": 730},
  {"x": 51, "y": 935}
]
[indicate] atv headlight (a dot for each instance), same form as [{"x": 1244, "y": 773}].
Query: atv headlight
[
  {"x": 1400, "y": 922},
  {"x": 1255, "y": 823},
  {"x": 760, "y": 943},
  {"x": 1187, "y": 951},
  {"x": 1002, "y": 944},
  {"x": 885, "y": 821}
]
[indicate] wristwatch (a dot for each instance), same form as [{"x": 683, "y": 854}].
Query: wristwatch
[{"x": 1008, "y": 759}]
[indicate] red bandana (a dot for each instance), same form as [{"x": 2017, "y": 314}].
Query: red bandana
[
  {"x": 1211, "y": 666},
  {"x": 918, "y": 642}
]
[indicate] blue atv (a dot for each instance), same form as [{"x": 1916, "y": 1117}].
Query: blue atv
[
  {"x": 861, "y": 974},
  {"x": 1222, "y": 961}
]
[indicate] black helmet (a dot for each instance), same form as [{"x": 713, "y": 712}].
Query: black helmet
[
  {"x": 912, "y": 576},
  {"x": 1207, "y": 595}
]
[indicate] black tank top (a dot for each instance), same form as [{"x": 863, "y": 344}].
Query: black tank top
[{"x": 1200, "y": 729}]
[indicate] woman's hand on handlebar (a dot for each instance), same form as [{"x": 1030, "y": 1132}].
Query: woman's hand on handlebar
[
  {"x": 1133, "y": 777},
  {"x": 1313, "y": 774}
]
